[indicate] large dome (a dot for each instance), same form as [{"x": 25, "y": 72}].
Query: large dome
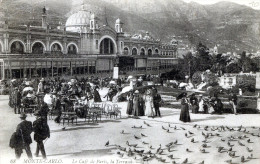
[{"x": 78, "y": 20}]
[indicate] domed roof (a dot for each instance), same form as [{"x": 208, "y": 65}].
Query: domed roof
[{"x": 77, "y": 20}]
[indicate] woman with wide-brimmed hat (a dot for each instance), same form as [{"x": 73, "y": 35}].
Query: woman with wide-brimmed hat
[
  {"x": 136, "y": 103},
  {"x": 184, "y": 115}
]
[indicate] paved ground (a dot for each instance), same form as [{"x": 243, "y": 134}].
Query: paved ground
[{"x": 84, "y": 142}]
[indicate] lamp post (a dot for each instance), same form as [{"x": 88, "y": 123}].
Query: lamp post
[{"x": 159, "y": 65}]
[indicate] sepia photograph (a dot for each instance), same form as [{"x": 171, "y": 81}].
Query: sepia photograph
[{"x": 130, "y": 81}]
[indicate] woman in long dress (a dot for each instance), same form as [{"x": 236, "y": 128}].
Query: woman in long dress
[
  {"x": 149, "y": 106},
  {"x": 136, "y": 104},
  {"x": 130, "y": 98},
  {"x": 184, "y": 115}
]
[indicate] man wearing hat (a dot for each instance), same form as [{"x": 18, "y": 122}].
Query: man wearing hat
[
  {"x": 17, "y": 101},
  {"x": 23, "y": 133},
  {"x": 156, "y": 101},
  {"x": 41, "y": 132}
]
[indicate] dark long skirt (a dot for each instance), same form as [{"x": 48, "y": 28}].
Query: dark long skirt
[
  {"x": 185, "y": 115},
  {"x": 129, "y": 110}
]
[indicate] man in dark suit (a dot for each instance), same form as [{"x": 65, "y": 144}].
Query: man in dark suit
[
  {"x": 17, "y": 100},
  {"x": 156, "y": 102},
  {"x": 23, "y": 133},
  {"x": 41, "y": 132}
]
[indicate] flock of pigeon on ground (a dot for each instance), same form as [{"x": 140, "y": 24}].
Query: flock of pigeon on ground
[{"x": 234, "y": 144}]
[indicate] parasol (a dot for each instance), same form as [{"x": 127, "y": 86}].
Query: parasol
[
  {"x": 181, "y": 95},
  {"x": 127, "y": 89},
  {"x": 28, "y": 89}
]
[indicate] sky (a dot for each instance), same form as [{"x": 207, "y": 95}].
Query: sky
[{"x": 251, "y": 3}]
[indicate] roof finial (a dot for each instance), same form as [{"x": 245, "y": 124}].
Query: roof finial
[{"x": 106, "y": 17}]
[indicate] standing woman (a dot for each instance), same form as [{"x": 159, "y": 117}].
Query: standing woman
[
  {"x": 136, "y": 104},
  {"x": 149, "y": 106},
  {"x": 130, "y": 98},
  {"x": 185, "y": 115}
]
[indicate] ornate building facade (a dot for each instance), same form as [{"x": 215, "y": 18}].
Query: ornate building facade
[{"x": 82, "y": 46}]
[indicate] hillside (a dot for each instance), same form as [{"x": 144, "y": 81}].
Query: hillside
[{"x": 233, "y": 27}]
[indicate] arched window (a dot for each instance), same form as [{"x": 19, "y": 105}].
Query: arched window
[
  {"x": 56, "y": 47},
  {"x": 142, "y": 53},
  {"x": 106, "y": 46},
  {"x": 134, "y": 51},
  {"x": 17, "y": 47},
  {"x": 126, "y": 51},
  {"x": 72, "y": 49},
  {"x": 150, "y": 52},
  {"x": 37, "y": 48},
  {"x": 156, "y": 51}
]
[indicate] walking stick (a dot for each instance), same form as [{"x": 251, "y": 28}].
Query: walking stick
[{"x": 45, "y": 141}]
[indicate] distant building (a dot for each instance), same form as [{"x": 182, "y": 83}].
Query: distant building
[{"x": 82, "y": 46}]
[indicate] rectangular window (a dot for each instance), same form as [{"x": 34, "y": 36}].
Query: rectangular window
[{"x": 96, "y": 44}]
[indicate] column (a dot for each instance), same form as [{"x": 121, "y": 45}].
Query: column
[
  {"x": 84, "y": 70},
  {"x": 61, "y": 68},
  {"x": 109, "y": 51},
  {"x": 103, "y": 46},
  {"x": 71, "y": 69},
  {"x": 30, "y": 70},
  {"x": 88, "y": 67},
  {"x": 41, "y": 68},
  {"x": 51, "y": 68},
  {"x": 20, "y": 69}
]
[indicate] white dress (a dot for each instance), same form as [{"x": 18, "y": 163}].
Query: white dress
[{"x": 149, "y": 107}]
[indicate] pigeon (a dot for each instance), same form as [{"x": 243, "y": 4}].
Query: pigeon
[
  {"x": 168, "y": 131},
  {"x": 185, "y": 161},
  {"x": 194, "y": 126},
  {"x": 192, "y": 140},
  {"x": 188, "y": 150},
  {"x": 145, "y": 143},
  {"x": 190, "y": 132},
  {"x": 136, "y": 137},
  {"x": 183, "y": 128},
  {"x": 173, "y": 162},
  {"x": 248, "y": 149},
  {"x": 240, "y": 143},
  {"x": 249, "y": 141},
  {"x": 242, "y": 159},
  {"x": 203, "y": 134},
  {"x": 169, "y": 149},
  {"x": 232, "y": 154},
  {"x": 220, "y": 149},
  {"x": 162, "y": 160},
  {"x": 203, "y": 150},
  {"x": 107, "y": 143},
  {"x": 176, "y": 142},
  {"x": 163, "y": 128},
  {"x": 229, "y": 161},
  {"x": 230, "y": 149},
  {"x": 160, "y": 152},
  {"x": 169, "y": 125},
  {"x": 186, "y": 135},
  {"x": 151, "y": 147},
  {"x": 230, "y": 144},
  {"x": 63, "y": 128},
  {"x": 169, "y": 144},
  {"x": 170, "y": 156},
  {"x": 122, "y": 132},
  {"x": 143, "y": 135},
  {"x": 204, "y": 145},
  {"x": 223, "y": 140},
  {"x": 202, "y": 162}
]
